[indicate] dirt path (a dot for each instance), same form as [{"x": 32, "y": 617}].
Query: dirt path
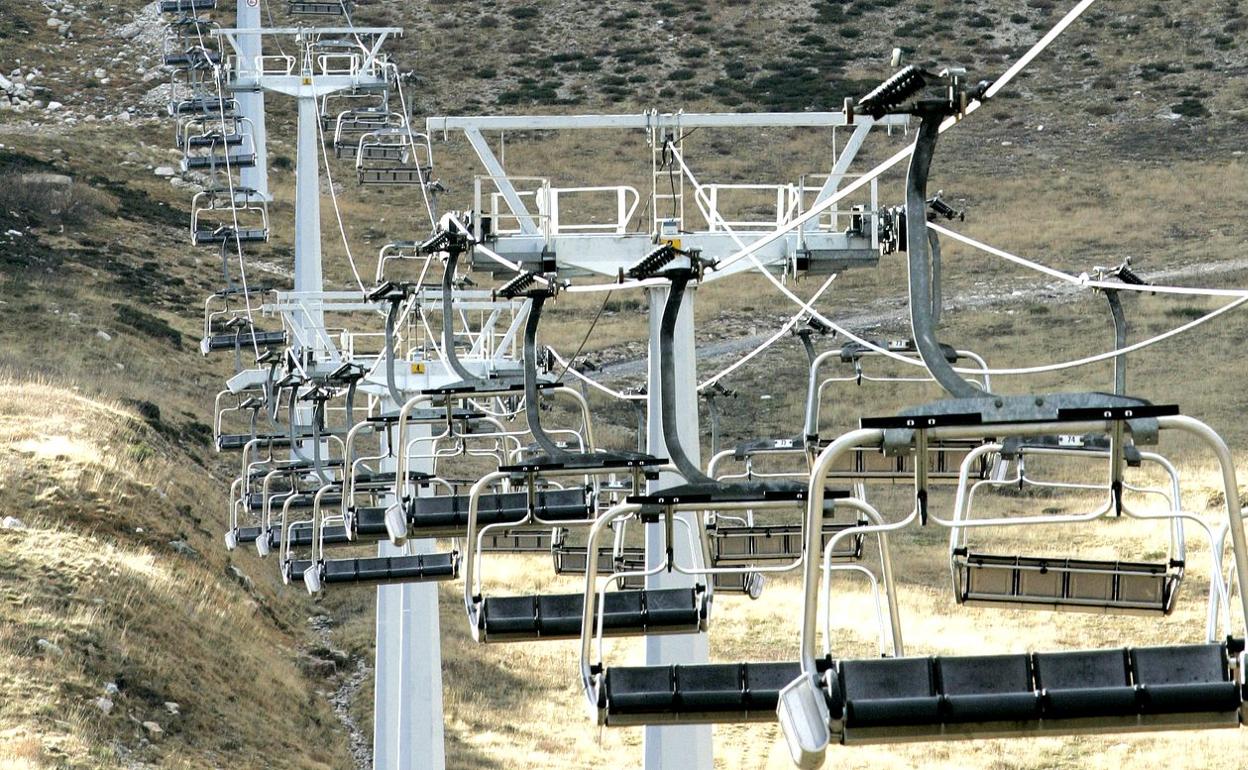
[
  {"x": 347, "y": 686},
  {"x": 893, "y": 311}
]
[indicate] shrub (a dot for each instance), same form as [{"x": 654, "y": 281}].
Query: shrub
[
  {"x": 49, "y": 200},
  {"x": 1190, "y": 107},
  {"x": 147, "y": 324}
]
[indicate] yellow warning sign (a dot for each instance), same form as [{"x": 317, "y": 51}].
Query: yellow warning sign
[
  {"x": 673, "y": 242},
  {"x": 418, "y": 367}
]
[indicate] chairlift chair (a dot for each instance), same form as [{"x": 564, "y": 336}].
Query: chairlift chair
[
  {"x": 225, "y": 215},
  {"x": 223, "y": 147},
  {"x": 447, "y": 515},
  {"x": 193, "y": 57},
  {"x": 631, "y": 610},
  {"x": 204, "y": 105},
  {"x": 187, "y": 6},
  {"x": 394, "y": 156},
  {"x": 346, "y": 115},
  {"x": 683, "y": 694},
  {"x": 321, "y": 8},
  {"x": 941, "y": 697}
]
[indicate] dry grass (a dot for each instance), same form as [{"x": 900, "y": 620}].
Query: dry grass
[{"x": 93, "y": 574}]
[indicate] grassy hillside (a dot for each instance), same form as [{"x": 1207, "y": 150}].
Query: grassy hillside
[{"x": 127, "y": 638}]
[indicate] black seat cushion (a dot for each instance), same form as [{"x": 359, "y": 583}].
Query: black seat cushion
[
  {"x": 731, "y": 688},
  {"x": 640, "y": 689},
  {"x": 987, "y": 688},
  {"x": 558, "y": 616},
  {"x": 246, "y": 534},
  {"x": 1184, "y": 678},
  {"x": 303, "y": 500},
  {"x": 301, "y": 535},
  {"x": 390, "y": 569},
  {"x": 889, "y": 691},
  {"x": 1085, "y": 684},
  {"x": 764, "y": 681},
  {"x": 442, "y": 512},
  {"x": 715, "y": 687},
  {"x": 370, "y": 522}
]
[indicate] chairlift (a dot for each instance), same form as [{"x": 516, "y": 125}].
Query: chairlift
[
  {"x": 941, "y": 697},
  {"x": 228, "y": 215},
  {"x": 187, "y": 6},
  {"x": 322, "y": 8},
  {"x": 394, "y": 156}
]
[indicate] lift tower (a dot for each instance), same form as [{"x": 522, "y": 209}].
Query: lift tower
[
  {"x": 308, "y": 76},
  {"x": 408, "y": 727}
]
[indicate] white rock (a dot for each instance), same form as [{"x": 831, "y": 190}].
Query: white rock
[
  {"x": 173, "y": 708},
  {"x": 50, "y": 648},
  {"x": 99, "y": 73},
  {"x": 154, "y": 732},
  {"x": 104, "y": 704},
  {"x": 111, "y": 689},
  {"x": 11, "y": 522},
  {"x": 5, "y": 84},
  {"x": 165, "y": 171},
  {"x": 54, "y": 22},
  {"x": 103, "y": 335},
  {"x": 54, "y": 106}
]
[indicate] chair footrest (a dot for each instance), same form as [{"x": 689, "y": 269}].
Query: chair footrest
[
  {"x": 244, "y": 340},
  {"x": 742, "y": 545},
  {"x": 517, "y": 541},
  {"x": 572, "y": 559},
  {"x": 1063, "y": 583},
  {"x": 301, "y": 535}
]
